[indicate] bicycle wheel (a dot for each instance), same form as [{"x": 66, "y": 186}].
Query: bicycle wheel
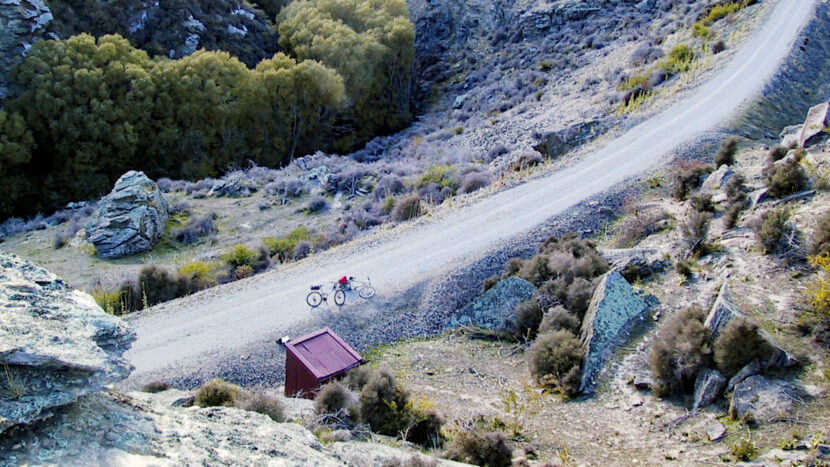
[
  {"x": 367, "y": 291},
  {"x": 339, "y": 297},
  {"x": 314, "y": 299}
]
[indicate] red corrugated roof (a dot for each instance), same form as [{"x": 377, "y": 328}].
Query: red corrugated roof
[{"x": 324, "y": 353}]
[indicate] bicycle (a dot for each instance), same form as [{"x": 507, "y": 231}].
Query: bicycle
[
  {"x": 364, "y": 289},
  {"x": 318, "y": 296}
]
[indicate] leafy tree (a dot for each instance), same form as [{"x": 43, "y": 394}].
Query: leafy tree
[{"x": 16, "y": 144}]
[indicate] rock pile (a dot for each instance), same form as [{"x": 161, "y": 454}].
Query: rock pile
[
  {"x": 131, "y": 219},
  {"x": 56, "y": 344}
]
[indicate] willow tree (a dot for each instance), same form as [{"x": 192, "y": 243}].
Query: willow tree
[{"x": 371, "y": 45}]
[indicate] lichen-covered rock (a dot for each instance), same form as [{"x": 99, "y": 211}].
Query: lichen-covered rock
[
  {"x": 813, "y": 130},
  {"x": 708, "y": 387},
  {"x": 234, "y": 185},
  {"x": 613, "y": 308},
  {"x": 131, "y": 219},
  {"x": 22, "y": 23},
  {"x": 557, "y": 143},
  {"x": 495, "y": 309},
  {"x": 717, "y": 179},
  {"x": 790, "y": 134},
  {"x": 762, "y": 400},
  {"x": 56, "y": 344},
  {"x": 635, "y": 262},
  {"x": 751, "y": 369},
  {"x": 725, "y": 310}
]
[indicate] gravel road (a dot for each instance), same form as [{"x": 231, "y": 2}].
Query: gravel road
[{"x": 199, "y": 332}]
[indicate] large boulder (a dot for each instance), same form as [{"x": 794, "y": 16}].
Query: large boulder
[
  {"x": 635, "y": 262},
  {"x": 131, "y": 219},
  {"x": 234, "y": 185},
  {"x": 56, "y": 344},
  {"x": 611, "y": 313},
  {"x": 762, "y": 400},
  {"x": 708, "y": 387},
  {"x": 496, "y": 308},
  {"x": 556, "y": 143},
  {"x": 813, "y": 130},
  {"x": 717, "y": 179},
  {"x": 22, "y": 23},
  {"x": 725, "y": 310}
]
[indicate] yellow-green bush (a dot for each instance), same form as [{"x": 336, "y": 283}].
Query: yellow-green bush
[
  {"x": 442, "y": 175},
  {"x": 283, "y": 247},
  {"x": 202, "y": 273},
  {"x": 240, "y": 255}
]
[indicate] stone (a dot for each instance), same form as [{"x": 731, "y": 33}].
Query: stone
[
  {"x": 459, "y": 101},
  {"x": 708, "y": 387},
  {"x": 758, "y": 196},
  {"x": 715, "y": 432},
  {"x": 789, "y": 135},
  {"x": 234, "y": 185},
  {"x": 725, "y": 310},
  {"x": 635, "y": 262},
  {"x": 612, "y": 310},
  {"x": 129, "y": 220},
  {"x": 22, "y": 23},
  {"x": 752, "y": 368},
  {"x": 762, "y": 400},
  {"x": 823, "y": 451},
  {"x": 717, "y": 179},
  {"x": 644, "y": 381},
  {"x": 495, "y": 309},
  {"x": 813, "y": 130},
  {"x": 556, "y": 143},
  {"x": 56, "y": 344}
]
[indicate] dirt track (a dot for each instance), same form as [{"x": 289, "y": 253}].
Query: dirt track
[{"x": 211, "y": 324}]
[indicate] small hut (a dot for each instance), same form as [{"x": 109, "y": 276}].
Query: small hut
[{"x": 313, "y": 360}]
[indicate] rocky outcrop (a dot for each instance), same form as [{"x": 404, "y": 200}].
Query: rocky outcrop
[
  {"x": 762, "y": 400},
  {"x": 22, "y": 23},
  {"x": 557, "y": 143},
  {"x": 812, "y": 132},
  {"x": 611, "y": 313},
  {"x": 717, "y": 179},
  {"x": 725, "y": 310},
  {"x": 708, "y": 387},
  {"x": 131, "y": 219},
  {"x": 234, "y": 185},
  {"x": 539, "y": 21},
  {"x": 635, "y": 262},
  {"x": 495, "y": 309},
  {"x": 56, "y": 344}
]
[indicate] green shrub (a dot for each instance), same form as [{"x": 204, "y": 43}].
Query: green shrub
[
  {"x": 682, "y": 347},
  {"x": 111, "y": 301},
  {"x": 743, "y": 450},
  {"x": 817, "y": 315},
  {"x": 776, "y": 153},
  {"x": 726, "y": 152},
  {"x": 242, "y": 271},
  {"x": 357, "y": 378},
  {"x": 491, "y": 282},
  {"x": 202, "y": 274},
  {"x": 155, "y": 387},
  {"x": 703, "y": 203},
  {"x": 579, "y": 295},
  {"x": 687, "y": 177},
  {"x": 738, "y": 343},
  {"x": 736, "y": 200},
  {"x": 560, "y": 319},
  {"x": 334, "y": 398},
  {"x": 528, "y": 318},
  {"x": 820, "y": 240},
  {"x": 262, "y": 403},
  {"x": 723, "y": 10},
  {"x": 283, "y": 247},
  {"x": 389, "y": 204},
  {"x": 555, "y": 359},
  {"x": 684, "y": 268},
  {"x": 157, "y": 285},
  {"x": 445, "y": 176},
  {"x": 694, "y": 231},
  {"x": 240, "y": 255},
  {"x": 218, "y": 392},
  {"x": 480, "y": 447},
  {"x": 425, "y": 429},
  {"x": 407, "y": 208},
  {"x": 384, "y": 404},
  {"x": 772, "y": 231},
  {"x": 785, "y": 178},
  {"x": 680, "y": 59}
]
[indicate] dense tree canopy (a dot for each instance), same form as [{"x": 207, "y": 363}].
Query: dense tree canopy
[{"x": 87, "y": 110}]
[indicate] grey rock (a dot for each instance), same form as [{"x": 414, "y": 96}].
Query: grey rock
[
  {"x": 495, "y": 309},
  {"x": 789, "y": 135},
  {"x": 708, "y": 387},
  {"x": 191, "y": 45},
  {"x": 725, "y": 310},
  {"x": 193, "y": 25},
  {"x": 22, "y": 23},
  {"x": 644, "y": 381},
  {"x": 645, "y": 5},
  {"x": 823, "y": 451},
  {"x": 459, "y": 101},
  {"x": 234, "y": 185},
  {"x": 717, "y": 179},
  {"x": 762, "y": 400},
  {"x": 611, "y": 312},
  {"x": 131, "y": 219},
  {"x": 752, "y": 368},
  {"x": 758, "y": 196},
  {"x": 715, "y": 431},
  {"x": 557, "y": 143},
  {"x": 813, "y": 130},
  {"x": 56, "y": 344},
  {"x": 635, "y": 262}
]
